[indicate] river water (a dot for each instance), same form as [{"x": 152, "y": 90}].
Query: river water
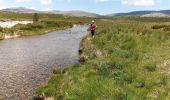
[{"x": 27, "y": 62}]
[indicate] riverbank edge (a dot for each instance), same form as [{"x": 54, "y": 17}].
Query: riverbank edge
[
  {"x": 6, "y": 36},
  {"x": 82, "y": 58}
]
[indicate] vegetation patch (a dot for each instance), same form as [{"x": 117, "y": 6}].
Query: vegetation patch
[{"x": 127, "y": 70}]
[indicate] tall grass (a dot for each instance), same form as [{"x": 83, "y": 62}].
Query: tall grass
[{"x": 126, "y": 70}]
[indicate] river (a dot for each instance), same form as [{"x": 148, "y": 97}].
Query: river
[{"x": 27, "y": 62}]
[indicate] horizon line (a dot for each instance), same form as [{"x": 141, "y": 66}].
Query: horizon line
[{"x": 82, "y": 10}]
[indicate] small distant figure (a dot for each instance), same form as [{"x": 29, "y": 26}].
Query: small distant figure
[{"x": 92, "y": 28}]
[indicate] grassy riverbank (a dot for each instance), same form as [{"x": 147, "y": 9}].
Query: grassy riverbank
[
  {"x": 47, "y": 22},
  {"x": 125, "y": 61},
  {"x": 9, "y": 16},
  {"x": 37, "y": 28}
]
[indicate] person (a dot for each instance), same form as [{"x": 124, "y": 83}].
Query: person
[{"x": 93, "y": 28}]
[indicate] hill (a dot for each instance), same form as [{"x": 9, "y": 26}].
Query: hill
[
  {"x": 20, "y": 10},
  {"x": 142, "y": 13},
  {"x": 76, "y": 13}
]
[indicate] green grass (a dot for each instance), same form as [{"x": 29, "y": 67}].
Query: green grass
[
  {"x": 9, "y": 16},
  {"x": 126, "y": 69},
  {"x": 35, "y": 28},
  {"x": 47, "y": 22}
]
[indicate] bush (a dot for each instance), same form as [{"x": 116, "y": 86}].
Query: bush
[
  {"x": 159, "y": 26},
  {"x": 30, "y": 27},
  {"x": 57, "y": 23},
  {"x": 1, "y": 29},
  {"x": 166, "y": 29},
  {"x": 51, "y": 23},
  {"x": 35, "y": 17}
]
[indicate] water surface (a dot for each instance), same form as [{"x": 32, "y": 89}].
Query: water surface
[{"x": 27, "y": 62}]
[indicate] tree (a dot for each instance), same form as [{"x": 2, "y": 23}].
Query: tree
[{"x": 35, "y": 17}]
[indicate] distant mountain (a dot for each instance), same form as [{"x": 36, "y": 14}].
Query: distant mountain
[
  {"x": 144, "y": 13},
  {"x": 20, "y": 10},
  {"x": 77, "y": 13},
  {"x": 156, "y": 15},
  {"x": 69, "y": 13}
]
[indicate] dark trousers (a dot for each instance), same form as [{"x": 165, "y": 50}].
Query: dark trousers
[{"x": 92, "y": 32}]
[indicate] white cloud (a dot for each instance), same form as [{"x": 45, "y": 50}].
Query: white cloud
[
  {"x": 139, "y": 2},
  {"x": 47, "y": 9},
  {"x": 159, "y": 1},
  {"x": 1, "y": 7},
  {"x": 33, "y": 8},
  {"x": 46, "y": 2},
  {"x": 23, "y": 0}
]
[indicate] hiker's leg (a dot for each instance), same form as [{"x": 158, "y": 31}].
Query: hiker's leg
[{"x": 92, "y": 32}]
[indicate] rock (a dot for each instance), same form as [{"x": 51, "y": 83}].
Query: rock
[
  {"x": 42, "y": 97},
  {"x": 81, "y": 50},
  {"x": 98, "y": 53},
  {"x": 82, "y": 59}
]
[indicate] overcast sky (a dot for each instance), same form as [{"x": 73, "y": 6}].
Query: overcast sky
[{"x": 96, "y": 6}]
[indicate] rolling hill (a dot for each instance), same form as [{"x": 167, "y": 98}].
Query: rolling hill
[
  {"x": 77, "y": 13},
  {"x": 144, "y": 13}
]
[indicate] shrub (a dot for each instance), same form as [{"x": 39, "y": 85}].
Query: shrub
[
  {"x": 30, "y": 27},
  {"x": 57, "y": 23},
  {"x": 159, "y": 26},
  {"x": 1, "y": 29},
  {"x": 166, "y": 29},
  {"x": 51, "y": 23},
  {"x": 35, "y": 17}
]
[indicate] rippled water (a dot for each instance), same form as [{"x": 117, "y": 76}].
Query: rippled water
[{"x": 27, "y": 62}]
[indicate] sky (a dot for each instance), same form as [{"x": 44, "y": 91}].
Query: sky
[{"x": 95, "y": 6}]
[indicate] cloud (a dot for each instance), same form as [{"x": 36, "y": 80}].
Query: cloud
[
  {"x": 46, "y": 2},
  {"x": 139, "y": 2},
  {"x": 1, "y": 7},
  {"x": 23, "y": 0}
]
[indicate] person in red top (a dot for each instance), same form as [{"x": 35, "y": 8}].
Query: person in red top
[{"x": 93, "y": 27}]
